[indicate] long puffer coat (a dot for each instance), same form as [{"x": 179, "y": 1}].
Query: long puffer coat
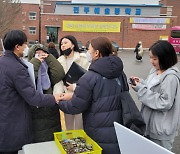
[
  {"x": 46, "y": 120},
  {"x": 98, "y": 97}
]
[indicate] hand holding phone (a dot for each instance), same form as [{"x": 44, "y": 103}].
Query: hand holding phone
[{"x": 132, "y": 81}]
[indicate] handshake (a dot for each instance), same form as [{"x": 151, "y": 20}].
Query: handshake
[{"x": 63, "y": 97}]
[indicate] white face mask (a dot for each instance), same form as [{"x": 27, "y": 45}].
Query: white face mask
[
  {"x": 88, "y": 56},
  {"x": 25, "y": 52}
]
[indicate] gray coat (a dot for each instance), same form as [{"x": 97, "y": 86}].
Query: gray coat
[{"x": 161, "y": 104}]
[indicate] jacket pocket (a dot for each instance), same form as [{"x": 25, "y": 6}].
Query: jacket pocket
[{"x": 161, "y": 124}]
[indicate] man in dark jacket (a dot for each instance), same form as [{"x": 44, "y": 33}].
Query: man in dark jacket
[
  {"x": 17, "y": 93},
  {"x": 98, "y": 95}
]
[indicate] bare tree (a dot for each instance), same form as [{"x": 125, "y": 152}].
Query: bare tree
[{"x": 8, "y": 12}]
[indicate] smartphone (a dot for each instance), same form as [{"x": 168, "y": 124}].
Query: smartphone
[
  {"x": 36, "y": 55},
  {"x": 131, "y": 81}
]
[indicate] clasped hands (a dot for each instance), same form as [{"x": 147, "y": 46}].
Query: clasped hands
[
  {"x": 63, "y": 97},
  {"x": 41, "y": 55}
]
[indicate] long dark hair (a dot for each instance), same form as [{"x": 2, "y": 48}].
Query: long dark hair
[{"x": 73, "y": 41}]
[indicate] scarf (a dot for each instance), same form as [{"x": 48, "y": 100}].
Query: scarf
[{"x": 43, "y": 81}]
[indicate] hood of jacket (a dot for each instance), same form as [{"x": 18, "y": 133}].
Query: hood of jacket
[
  {"x": 34, "y": 48},
  {"x": 172, "y": 70},
  {"x": 109, "y": 67}
]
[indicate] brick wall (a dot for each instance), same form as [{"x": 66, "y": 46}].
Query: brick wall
[
  {"x": 49, "y": 6},
  {"x": 23, "y": 23},
  {"x": 127, "y": 38},
  {"x": 175, "y": 8}
]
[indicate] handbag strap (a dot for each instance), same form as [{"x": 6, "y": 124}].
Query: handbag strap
[
  {"x": 125, "y": 86},
  {"x": 132, "y": 118}
]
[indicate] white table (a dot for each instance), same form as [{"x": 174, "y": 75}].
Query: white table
[{"x": 40, "y": 148}]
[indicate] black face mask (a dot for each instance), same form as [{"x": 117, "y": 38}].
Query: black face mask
[{"x": 67, "y": 52}]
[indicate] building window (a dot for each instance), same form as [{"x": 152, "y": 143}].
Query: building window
[
  {"x": 32, "y": 30},
  {"x": 32, "y": 15},
  {"x": 117, "y": 11},
  {"x": 97, "y": 10},
  {"x": 76, "y": 9},
  {"x": 107, "y": 11},
  {"x": 138, "y": 11}
]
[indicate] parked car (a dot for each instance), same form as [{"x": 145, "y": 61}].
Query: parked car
[
  {"x": 115, "y": 45},
  {"x": 87, "y": 45},
  {"x": 81, "y": 46}
]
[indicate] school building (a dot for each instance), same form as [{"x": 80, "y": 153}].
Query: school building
[{"x": 123, "y": 21}]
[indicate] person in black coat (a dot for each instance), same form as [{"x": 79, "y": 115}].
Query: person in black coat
[
  {"x": 52, "y": 50},
  {"x": 17, "y": 93},
  {"x": 139, "y": 51},
  {"x": 98, "y": 95}
]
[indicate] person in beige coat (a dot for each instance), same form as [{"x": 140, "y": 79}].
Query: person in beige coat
[
  {"x": 140, "y": 49},
  {"x": 69, "y": 53}
]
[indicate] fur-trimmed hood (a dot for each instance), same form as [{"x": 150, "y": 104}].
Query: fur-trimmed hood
[{"x": 34, "y": 48}]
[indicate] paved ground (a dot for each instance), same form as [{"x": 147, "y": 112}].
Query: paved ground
[{"x": 141, "y": 69}]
